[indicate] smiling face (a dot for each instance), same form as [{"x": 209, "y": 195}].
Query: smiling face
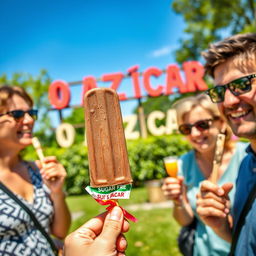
[
  {"x": 240, "y": 111},
  {"x": 16, "y": 134},
  {"x": 202, "y": 141}
]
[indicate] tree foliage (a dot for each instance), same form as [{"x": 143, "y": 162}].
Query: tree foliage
[{"x": 208, "y": 21}]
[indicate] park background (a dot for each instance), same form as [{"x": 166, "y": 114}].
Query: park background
[{"x": 44, "y": 41}]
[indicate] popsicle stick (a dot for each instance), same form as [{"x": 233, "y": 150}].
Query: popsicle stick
[
  {"x": 217, "y": 157},
  {"x": 37, "y": 145}
]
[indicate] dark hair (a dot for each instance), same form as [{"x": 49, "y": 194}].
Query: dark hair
[{"x": 240, "y": 45}]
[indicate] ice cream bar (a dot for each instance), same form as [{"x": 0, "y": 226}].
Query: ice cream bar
[{"x": 107, "y": 152}]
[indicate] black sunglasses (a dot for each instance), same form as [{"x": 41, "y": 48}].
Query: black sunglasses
[
  {"x": 18, "y": 114},
  {"x": 200, "y": 125},
  {"x": 237, "y": 87}
]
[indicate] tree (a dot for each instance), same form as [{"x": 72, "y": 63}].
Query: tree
[{"x": 208, "y": 21}]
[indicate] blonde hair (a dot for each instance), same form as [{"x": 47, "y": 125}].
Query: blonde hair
[
  {"x": 241, "y": 47},
  {"x": 185, "y": 105},
  {"x": 7, "y": 92}
]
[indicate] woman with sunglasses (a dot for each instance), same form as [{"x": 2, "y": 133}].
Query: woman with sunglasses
[
  {"x": 200, "y": 122},
  {"x": 37, "y": 185}
]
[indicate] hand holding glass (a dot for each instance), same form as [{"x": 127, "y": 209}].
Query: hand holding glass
[{"x": 171, "y": 165}]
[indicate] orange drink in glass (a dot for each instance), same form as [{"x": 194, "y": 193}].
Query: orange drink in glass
[{"x": 171, "y": 165}]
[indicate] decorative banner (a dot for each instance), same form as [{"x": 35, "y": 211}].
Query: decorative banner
[{"x": 59, "y": 91}]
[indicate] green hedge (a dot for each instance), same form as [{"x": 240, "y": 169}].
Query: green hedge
[{"x": 145, "y": 156}]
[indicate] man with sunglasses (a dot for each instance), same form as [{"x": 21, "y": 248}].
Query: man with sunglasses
[{"x": 232, "y": 64}]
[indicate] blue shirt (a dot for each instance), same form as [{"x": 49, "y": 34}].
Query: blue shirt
[
  {"x": 246, "y": 244},
  {"x": 206, "y": 241}
]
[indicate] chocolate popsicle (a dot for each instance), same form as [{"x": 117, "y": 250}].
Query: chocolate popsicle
[{"x": 107, "y": 152}]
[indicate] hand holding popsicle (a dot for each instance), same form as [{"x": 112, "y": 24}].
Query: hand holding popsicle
[
  {"x": 110, "y": 177},
  {"x": 99, "y": 236},
  {"x": 51, "y": 169}
]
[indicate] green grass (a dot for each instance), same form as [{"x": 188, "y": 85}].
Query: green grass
[{"x": 153, "y": 235}]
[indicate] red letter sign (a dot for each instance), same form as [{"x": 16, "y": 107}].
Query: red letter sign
[
  {"x": 173, "y": 80},
  {"x": 135, "y": 79},
  {"x": 89, "y": 82},
  {"x": 194, "y": 72},
  {"x": 116, "y": 78},
  {"x": 146, "y": 81},
  {"x": 59, "y": 94}
]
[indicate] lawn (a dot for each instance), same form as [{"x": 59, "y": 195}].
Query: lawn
[{"x": 153, "y": 235}]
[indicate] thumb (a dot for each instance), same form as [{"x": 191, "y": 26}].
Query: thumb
[
  {"x": 113, "y": 225},
  {"x": 227, "y": 187}
]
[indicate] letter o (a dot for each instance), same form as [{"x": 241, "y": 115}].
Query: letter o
[
  {"x": 65, "y": 135},
  {"x": 59, "y": 94}
]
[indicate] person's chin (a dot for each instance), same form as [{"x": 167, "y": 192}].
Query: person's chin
[
  {"x": 245, "y": 132},
  {"x": 25, "y": 142}
]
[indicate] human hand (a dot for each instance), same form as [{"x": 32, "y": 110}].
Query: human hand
[
  {"x": 172, "y": 188},
  {"x": 100, "y": 236},
  {"x": 53, "y": 173},
  {"x": 213, "y": 204}
]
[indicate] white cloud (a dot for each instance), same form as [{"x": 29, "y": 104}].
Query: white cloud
[{"x": 165, "y": 50}]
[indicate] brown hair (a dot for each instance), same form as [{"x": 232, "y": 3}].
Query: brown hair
[
  {"x": 185, "y": 105},
  {"x": 241, "y": 46},
  {"x": 7, "y": 92}
]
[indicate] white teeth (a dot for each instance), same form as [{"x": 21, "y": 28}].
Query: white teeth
[{"x": 238, "y": 114}]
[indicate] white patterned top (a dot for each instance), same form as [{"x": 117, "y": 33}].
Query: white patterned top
[{"x": 18, "y": 234}]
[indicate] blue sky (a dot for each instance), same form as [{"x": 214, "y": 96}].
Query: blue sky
[{"x": 73, "y": 39}]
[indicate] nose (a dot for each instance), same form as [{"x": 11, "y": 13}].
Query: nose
[
  {"x": 195, "y": 132},
  {"x": 27, "y": 118},
  {"x": 230, "y": 99}
]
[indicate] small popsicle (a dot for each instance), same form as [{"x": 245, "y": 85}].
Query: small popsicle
[
  {"x": 37, "y": 145},
  {"x": 219, "y": 149},
  {"x": 107, "y": 152}
]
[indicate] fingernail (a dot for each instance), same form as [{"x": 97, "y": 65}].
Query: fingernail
[
  {"x": 116, "y": 214},
  {"x": 123, "y": 242}
]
